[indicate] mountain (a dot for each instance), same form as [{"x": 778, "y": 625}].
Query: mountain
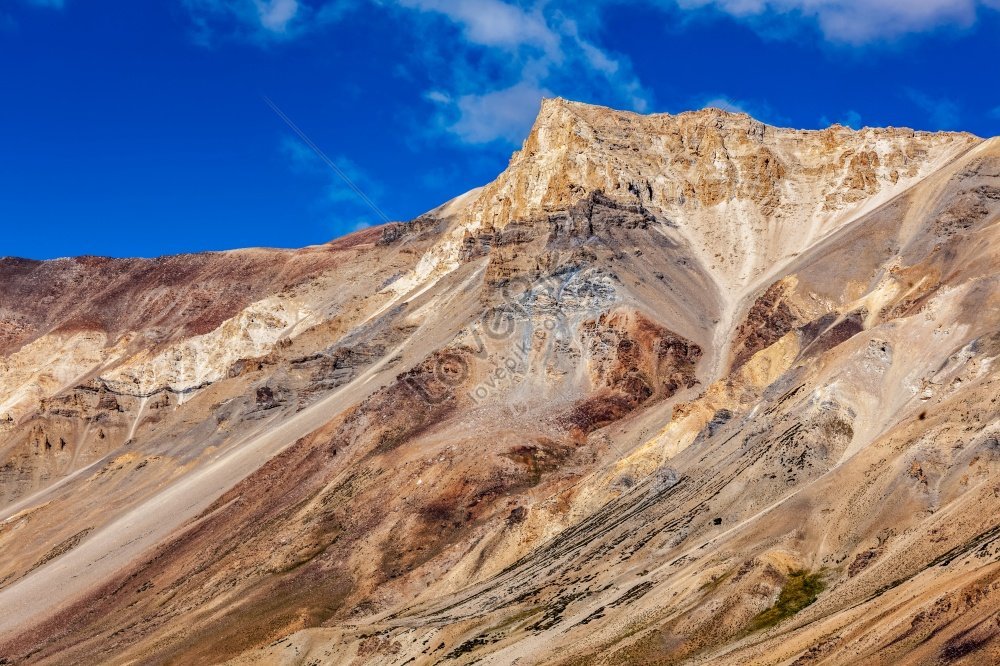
[{"x": 672, "y": 389}]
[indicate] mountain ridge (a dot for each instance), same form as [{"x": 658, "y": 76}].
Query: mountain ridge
[{"x": 609, "y": 408}]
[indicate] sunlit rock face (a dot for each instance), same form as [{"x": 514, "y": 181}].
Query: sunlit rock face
[{"x": 672, "y": 389}]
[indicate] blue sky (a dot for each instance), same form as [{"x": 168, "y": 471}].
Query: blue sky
[{"x": 142, "y": 128}]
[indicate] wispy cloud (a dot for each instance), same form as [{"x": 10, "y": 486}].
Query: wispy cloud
[
  {"x": 492, "y": 60},
  {"x": 853, "y": 22},
  {"x": 259, "y": 20},
  {"x": 849, "y": 118},
  {"x": 507, "y": 59},
  {"x": 9, "y": 24},
  {"x": 492, "y": 22},
  {"x": 513, "y": 25},
  {"x": 499, "y": 114},
  {"x": 942, "y": 113},
  {"x": 726, "y": 104},
  {"x": 337, "y": 199},
  {"x": 276, "y": 15},
  {"x": 759, "y": 110}
]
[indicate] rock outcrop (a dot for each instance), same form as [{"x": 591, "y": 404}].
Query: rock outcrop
[{"x": 672, "y": 389}]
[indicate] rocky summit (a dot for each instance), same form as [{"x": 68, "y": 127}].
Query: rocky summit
[{"x": 671, "y": 389}]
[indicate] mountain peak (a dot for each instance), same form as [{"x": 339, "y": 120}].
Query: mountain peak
[
  {"x": 588, "y": 112},
  {"x": 662, "y": 376},
  {"x": 721, "y": 178}
]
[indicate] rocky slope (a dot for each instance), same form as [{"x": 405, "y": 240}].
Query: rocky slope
[{"x": 671, "y": 389}]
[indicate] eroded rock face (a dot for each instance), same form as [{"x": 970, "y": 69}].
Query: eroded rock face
[
  {"x": 744, "y": 194},
  {"x": 772, "y": 315},
  {"x": 671, "y": 389}
]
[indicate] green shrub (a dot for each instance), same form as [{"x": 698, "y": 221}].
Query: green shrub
[{"x": 801, "y": 589}]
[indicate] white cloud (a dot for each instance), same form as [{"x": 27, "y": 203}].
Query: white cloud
[
  {"x": 492, "y": 22},
  {"x": 507, "y": 54},
  {"x": 247, "y": 19},
  {"x": 942, "y": 113},
  {"x": 759, "y": 110},
  {"x": 725, "y": 104},
  {"x": 489, "y": 70},
  {"x": 856, "y": 21},
  {"x": 438, "y": 97},
  {"x": 852, "y": 119},
  {"x": 9, "y": 24},
  {"x": 509, "y": 57},
  {"x": 261, "y": 21},
  {"x": 500, "y": 114},
  {"x": 346, "y": 191},
  {"x": 849, "y": 118},
  {"x": 275, "y": 15}
]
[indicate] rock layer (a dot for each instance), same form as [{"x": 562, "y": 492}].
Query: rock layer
[{"x": 671, "y": 389}]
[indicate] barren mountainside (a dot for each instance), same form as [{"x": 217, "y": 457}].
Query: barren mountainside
[{"x": 671, "y": 389}]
